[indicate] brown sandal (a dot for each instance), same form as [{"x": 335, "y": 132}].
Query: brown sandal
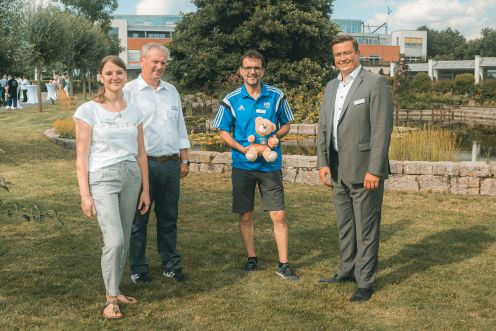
[
  {"x": 115, "y": 309},
  {"x": 124, "y": 299}
]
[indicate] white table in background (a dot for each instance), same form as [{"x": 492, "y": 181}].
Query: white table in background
[
  {"x": 32, "y": 94},
  {"x": 52, "y": 91}
]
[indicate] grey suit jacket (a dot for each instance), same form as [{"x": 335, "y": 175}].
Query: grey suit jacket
[{"x": 364, "y": 129}]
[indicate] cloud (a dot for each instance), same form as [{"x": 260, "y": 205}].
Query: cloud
[
  {"x": 468, "y": 17},
  {"x": 164, "y": 7}
]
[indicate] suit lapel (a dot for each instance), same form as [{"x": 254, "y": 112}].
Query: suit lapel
[
  {"x": 356, "y": 82},
  {"x": 334, "y": 90}
]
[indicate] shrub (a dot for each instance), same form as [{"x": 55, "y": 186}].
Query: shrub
[
  {"x": 65, "y": 128},
  {"x": 421, "y": 82},
  {"x": 487, "y": 90},
  {"x": 442, "y": 86},
  {"x": 464, "y": 84}
]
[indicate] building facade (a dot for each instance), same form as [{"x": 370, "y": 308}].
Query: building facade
[{"x": 134, "y": 31}]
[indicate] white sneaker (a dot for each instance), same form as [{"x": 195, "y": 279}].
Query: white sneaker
[{"x": 7, "y": 107}]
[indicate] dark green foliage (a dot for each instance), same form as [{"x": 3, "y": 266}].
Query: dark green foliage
[
  {"x": 464, "y": 84},
  {"x": 441, "y": 44},
  {"x": 292, "y": 35},
  {"x": 487, "y": 91},
  {"x": 96, "y": 11},
  {"x": 442, "y": 86},
  {"x": 421, "y": 83}
]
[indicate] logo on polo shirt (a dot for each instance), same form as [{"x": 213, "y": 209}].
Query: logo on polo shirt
[
  {"x": 267, "y": 105},
  {"x": 241, "y": 107}
]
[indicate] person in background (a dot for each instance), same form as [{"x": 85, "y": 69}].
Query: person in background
[
  {"x": 3, "y": 84},
  {"x": 11, "y": 89},
  {"x": 67, "y": 83},
  {"x": 111, "y": 168},
  {"x": 24, "y": 88}
]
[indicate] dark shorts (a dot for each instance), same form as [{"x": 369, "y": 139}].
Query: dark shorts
[{"x": 269, "y": 185}]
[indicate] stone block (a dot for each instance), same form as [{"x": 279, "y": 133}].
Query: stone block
[
  {"x": 474, "y": 169},
  {"x": 492, "y": 169},
  {"x": 195, "y": 167},
  {"x": 406, "y": 183},
  {"x": 289, "y": 174},
  {"x": 307, "y": 129},
  {"x": 396, "y": 167},
  {"x": 293, "y": 128},
  {"x": 202, "y": 156},
  {"x": 445, "y": 168},
  {"x": 299, "y": 161},
  {"x": 426, "y": 168},
  {"x": 310, "y": 177},
  {"x": 223, "y": 158},
  {"x": 464, "y": 185},
  {"x": 412, "y": 167},
  {"x": 488, "y": 186},
  {"x": 433, "y": 183}
]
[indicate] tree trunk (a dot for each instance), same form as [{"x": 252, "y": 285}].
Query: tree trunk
[
  {"x": 40, "y": 107},
  {"x": 89, "y": 86},
  {"x": 84, "y": 87}
]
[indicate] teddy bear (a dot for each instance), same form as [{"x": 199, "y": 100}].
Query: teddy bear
[{"x": 263, "y": 127}]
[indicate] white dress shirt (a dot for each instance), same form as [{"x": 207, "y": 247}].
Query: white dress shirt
[
  {"x": 342, "y": 92},
  {"x": 164, "y": 128}
]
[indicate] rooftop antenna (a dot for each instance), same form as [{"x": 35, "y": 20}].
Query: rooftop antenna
[{"x": 389, "y": 11}]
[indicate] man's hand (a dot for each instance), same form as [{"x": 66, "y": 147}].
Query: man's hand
[
  {"x": 273, "y": 142},
  {"x": 183, "y": 170},
  {"x": 371, "y": 182},
  {"x": 325, "y": 175}
]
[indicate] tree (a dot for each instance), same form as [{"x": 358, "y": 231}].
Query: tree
[
  {"x": 96, "y": 11},
  {"x": 289, "y": 33},
  {"x": 13, "y": 53},
  {"x": 484, "y": 46},
  {"x": 441, "y": 44},
  {"x": 46, "y": 33},
  {"x": 87, "y": 45}
]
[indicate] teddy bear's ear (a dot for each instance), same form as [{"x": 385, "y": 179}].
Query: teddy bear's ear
[{"x": 273, "y": 126}]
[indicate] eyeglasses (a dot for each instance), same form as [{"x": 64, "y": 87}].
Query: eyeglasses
[
  {"x": 249, "y": 69},
  {"x": 344, "y": 54}
]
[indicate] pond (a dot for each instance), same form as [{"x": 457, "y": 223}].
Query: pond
[{"x": 484, "y": 140}]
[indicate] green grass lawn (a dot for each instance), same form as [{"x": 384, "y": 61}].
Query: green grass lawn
[{"x": 437, "y": 256}]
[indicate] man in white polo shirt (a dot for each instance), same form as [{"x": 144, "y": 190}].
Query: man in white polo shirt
[{"x": 167, "y": 144}]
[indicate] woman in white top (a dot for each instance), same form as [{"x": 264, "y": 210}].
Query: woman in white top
[{"x": 111, "y": 169}]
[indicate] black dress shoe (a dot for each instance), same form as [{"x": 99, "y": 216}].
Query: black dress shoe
[
  {"x": 338, "y": 279},
  {"x": 362, "y": 294}
]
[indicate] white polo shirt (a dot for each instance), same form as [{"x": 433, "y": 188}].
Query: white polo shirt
[
  {"x": 164, "y": 128},
  {"x": 342, "y": 92}
]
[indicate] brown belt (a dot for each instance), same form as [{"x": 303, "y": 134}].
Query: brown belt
[{"x": 164, "y": 158}]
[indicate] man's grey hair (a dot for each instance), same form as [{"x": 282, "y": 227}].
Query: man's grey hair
[{"x": 147, "y": 47}]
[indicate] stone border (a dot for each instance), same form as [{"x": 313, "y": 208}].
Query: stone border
[{"x": 474, "y": 178}]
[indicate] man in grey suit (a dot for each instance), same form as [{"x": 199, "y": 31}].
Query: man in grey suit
[{"x": 355, "y": 125}]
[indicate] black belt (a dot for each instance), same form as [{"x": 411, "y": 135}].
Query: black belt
[{"x": 164, "y": 158}]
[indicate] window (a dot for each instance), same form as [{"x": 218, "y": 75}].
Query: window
[
  {"x": 133, "y": 55},
  {"x": 136, "y": 34},
  {"x": 413, "y": 42},
  {"x": 158, "y": 35}
]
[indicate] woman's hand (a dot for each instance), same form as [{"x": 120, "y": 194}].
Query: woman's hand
[
  {"x": 144, "y": 202},
  {"x": 88, "y": 206}
]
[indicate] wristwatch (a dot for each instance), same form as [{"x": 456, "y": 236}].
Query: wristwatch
[{"x": 186, "y": 162}]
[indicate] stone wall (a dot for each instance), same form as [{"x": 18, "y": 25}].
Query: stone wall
[{"x": 411, "y": 176}]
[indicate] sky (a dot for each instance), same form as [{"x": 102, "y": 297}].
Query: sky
[{"x": 466, "y": 16}]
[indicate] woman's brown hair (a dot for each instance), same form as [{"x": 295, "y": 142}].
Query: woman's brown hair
[{"x": 100, "y": 97}]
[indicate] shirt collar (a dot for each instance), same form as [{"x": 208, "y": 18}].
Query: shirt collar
[
  {"x": 143, "y": 84},
  {"x": 351, "y": 76},
  {"x": 245, "y": 94}
]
